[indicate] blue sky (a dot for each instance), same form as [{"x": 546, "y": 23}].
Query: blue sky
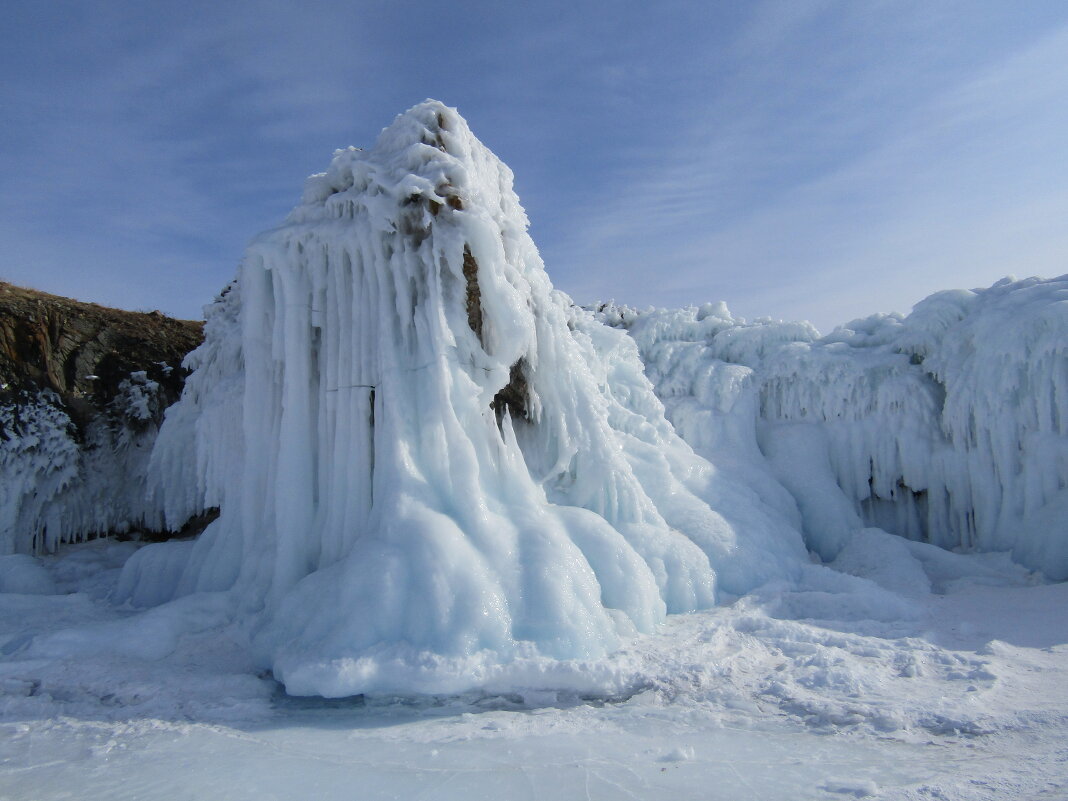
[{"x": 816, "y": 160}]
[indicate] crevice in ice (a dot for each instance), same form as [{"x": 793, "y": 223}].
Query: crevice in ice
[{"x": 192, "y": 527}]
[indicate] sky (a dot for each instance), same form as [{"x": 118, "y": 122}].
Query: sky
[{"x": 799, "y": 160}]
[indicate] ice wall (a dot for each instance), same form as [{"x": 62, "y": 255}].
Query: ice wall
[
  {"x": 433, "y": 469},
  {"x": 949, "y": 425}
]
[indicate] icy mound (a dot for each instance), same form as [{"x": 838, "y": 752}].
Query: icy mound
[
  {"x": 434, "y": 471},
  {"x": 949, "y": 426}
]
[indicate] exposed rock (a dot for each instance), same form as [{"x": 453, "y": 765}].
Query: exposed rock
[
  {"x": 474, "y": 293},
  {"x": 83, "y": 351}
]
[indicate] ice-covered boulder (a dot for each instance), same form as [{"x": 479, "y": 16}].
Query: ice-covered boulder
[{"x": 434, "y": 471}]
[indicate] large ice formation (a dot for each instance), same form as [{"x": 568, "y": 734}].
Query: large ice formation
[
  {"x": 432, "y": 468},
  {"x": 948, "y": 426}
]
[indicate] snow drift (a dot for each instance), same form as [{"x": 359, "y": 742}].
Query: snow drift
[
  {"x": 434, "y": 471},
  {"x": 948, "y": 426}
]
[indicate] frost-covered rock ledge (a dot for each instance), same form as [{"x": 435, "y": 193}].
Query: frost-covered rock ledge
[{"x": 82, "y": 392}]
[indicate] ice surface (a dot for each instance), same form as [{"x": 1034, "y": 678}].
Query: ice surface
[
  {"x": 814, "y": 690},
  {"x": 20, "y": 573},
  {"x": 436, "y": 473}
]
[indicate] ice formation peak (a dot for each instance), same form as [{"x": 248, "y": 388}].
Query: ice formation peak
[{"x": 431, "y": 466}]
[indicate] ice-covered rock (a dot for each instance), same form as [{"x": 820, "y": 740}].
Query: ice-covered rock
[
  {"x": 63, "y": 483},
  {"x": 82, "y": 390},
  {"x": 433, "y": 469}
]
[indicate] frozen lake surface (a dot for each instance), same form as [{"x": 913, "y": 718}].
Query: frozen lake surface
[{"x": 966, "y": 701}]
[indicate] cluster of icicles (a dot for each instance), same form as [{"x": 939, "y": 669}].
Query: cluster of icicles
[{"x": 948, "y": 426}]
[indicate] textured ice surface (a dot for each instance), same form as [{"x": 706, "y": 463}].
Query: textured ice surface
[
  {"x": 948, "y": 426},
  {"x": 818, "y": 688},
  {"x": 61, "y": 485}
]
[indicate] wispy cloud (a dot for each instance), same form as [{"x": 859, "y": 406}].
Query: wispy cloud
[
  {"x": 818, "y": 159},
  {"x": 147, "y": 144},
  {"x": 850, "y": 206}
]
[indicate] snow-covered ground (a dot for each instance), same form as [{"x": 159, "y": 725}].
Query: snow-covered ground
[{"x": 790, "y": 693}]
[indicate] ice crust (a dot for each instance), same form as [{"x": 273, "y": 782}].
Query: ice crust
[
  {"x": 799, "y": 686},
  {"x": 948, "y": 426},
  {"x": 434, "y": 471}
]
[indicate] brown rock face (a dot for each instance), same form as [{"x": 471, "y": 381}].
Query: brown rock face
[{"x": 82, "y": 351}]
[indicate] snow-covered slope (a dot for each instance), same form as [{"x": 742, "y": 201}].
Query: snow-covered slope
[
  {"x": 434, "y": 471},
  {"x": 949, "y": 425}
]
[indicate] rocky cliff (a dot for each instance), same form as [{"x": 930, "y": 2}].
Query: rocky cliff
[{"x": 82, "y": 351}]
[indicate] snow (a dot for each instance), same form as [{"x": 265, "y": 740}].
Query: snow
[
  {"x": 947, "y": 426},
  {"x": 798, "y": 693},
  {"x": 21, "y": 574}
]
